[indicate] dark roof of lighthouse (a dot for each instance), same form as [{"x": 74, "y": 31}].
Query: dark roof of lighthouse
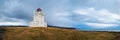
[{"x": 39, "y": 9}]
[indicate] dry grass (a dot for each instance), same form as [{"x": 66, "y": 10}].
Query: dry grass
[{"x": 25, "y": 33}]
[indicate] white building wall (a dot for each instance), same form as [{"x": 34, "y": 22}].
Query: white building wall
[{"x": 38, "y": 20}]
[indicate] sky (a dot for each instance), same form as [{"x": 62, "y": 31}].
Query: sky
[{"x": 81, "y": 14}]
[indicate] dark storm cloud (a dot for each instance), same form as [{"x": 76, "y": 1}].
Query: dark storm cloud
[
  {"x": 18, "y": 11},
  {"x": 14, "y": 11}
]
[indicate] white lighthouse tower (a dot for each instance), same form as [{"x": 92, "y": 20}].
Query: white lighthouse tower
[{"x": 38, "y": 20}]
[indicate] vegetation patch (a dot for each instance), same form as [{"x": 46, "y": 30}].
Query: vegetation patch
[{"x": 31, "y": 33}]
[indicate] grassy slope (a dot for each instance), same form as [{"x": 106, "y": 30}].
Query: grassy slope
[{"x": 24, "y": 33}]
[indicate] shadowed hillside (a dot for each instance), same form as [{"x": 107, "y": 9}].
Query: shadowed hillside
[{"x": 26, "y": 33}]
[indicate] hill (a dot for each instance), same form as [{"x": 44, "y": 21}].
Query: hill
[{"x": 31, "y": 33}]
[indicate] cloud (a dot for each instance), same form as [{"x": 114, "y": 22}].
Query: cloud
[
  {"x": 99, "y": 18},
  {"x": 14, "y": 13},
  {"x": 56, "y": 13},
  {"x": 12, "y": 23},
  {"x": 65, "y": 13},
  {"x": 59, "y": 15},
  {"x": 11, "y": 5},
  {"x": 100, "y": 25},
  {"x": 61, "y": 19}
]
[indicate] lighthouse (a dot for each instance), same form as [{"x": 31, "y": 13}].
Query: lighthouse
[{"x": 38, "y": 19}]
